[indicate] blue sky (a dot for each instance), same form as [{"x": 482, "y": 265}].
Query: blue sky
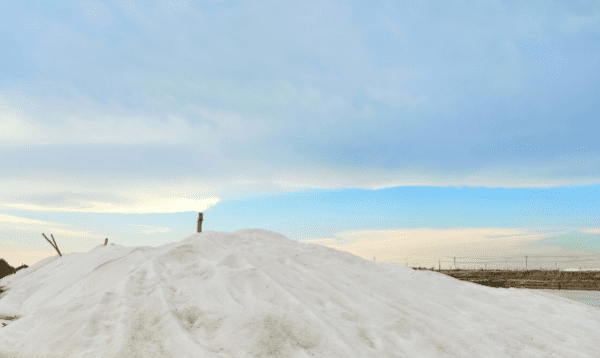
[{"x": 329, "y": 121}]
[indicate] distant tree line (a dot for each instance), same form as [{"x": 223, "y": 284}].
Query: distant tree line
[{"x": 6, "y": 269}]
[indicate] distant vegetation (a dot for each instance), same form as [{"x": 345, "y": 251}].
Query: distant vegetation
[
  {"x": 6, "y": 269},
  {"x": 548, "y": 279}
]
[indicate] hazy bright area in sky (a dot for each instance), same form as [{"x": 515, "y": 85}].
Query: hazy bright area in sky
[{"x": 408, "y": 132}]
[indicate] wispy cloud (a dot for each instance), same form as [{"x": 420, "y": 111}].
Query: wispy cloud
[
  {"x": 80, "y": 121},
  {"x": 30, "y": 225},
  {"x": 591, "y": 230},
  {"x": 426, "y": 246},
  {"x": 172, "y": 107},
  {"x": 90, "y": 193},
  {"x": 19, "y": 220},
  {"x": 256, "y": 94},
  {"x": 15, "y": 129},
  {"x": 159, "y": 205}
]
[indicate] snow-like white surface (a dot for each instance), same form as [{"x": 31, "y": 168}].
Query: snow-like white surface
[
  {"x": 255, "y": 293},
  {"x": 576, "y": 269}
]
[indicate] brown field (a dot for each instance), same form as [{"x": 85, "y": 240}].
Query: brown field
[{"x": 546, "y": 279}]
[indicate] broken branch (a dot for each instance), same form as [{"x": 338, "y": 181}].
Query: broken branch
[
  {"x": 49, "y": 241},
  {"x": 53, "y": 244}
]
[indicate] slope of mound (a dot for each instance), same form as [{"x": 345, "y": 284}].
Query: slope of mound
[{"x": 255, "y": 293}]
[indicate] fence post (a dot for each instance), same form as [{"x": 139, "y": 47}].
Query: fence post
[{"x": 200, "y": 218}]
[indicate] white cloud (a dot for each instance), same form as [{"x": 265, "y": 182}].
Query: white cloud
[
  {"x": 128, "y": 129},
  {"x": 364, "y": 176},
  {"x": 134, "y": 195},
  {"x": 81, "y": 121},
  {"x": 10, "y": 222},
  {"x": 143, "y": 206},
  {"x": 298, "y": 69},
  {"x": 76, "y": 233},
  {"x": 226, "y": 124},
  {"x": 14, "y": 129},
  {"x": 20, "y": 220},
  {"x": 426, "y": 246},
  {"x": 590, "y": 230},
  {"x": 112, "y": 128}
]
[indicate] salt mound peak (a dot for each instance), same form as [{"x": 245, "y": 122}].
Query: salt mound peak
[{"x": 256, "y": 293}]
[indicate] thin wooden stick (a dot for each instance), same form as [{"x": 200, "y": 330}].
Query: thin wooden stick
[
  {"x": 55, "y": 245},
  {"x": 49, "y": 241}
]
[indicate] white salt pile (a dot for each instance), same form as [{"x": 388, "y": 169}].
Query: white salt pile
[
  {"x": 255, "y": 293},
  {"x": 576, "y": 269}
]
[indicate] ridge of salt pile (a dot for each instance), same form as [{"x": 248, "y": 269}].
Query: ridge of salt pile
[{"x": 255, "y": 293}]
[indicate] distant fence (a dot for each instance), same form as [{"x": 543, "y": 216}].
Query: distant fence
[{"x": 513, "y": 262}]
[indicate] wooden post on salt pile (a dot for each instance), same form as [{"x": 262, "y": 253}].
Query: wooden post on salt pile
[
  {"x": 53, "y": 243},
  {"x": 105, "y": 241},
  {"x": 200, "y": 218}
]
